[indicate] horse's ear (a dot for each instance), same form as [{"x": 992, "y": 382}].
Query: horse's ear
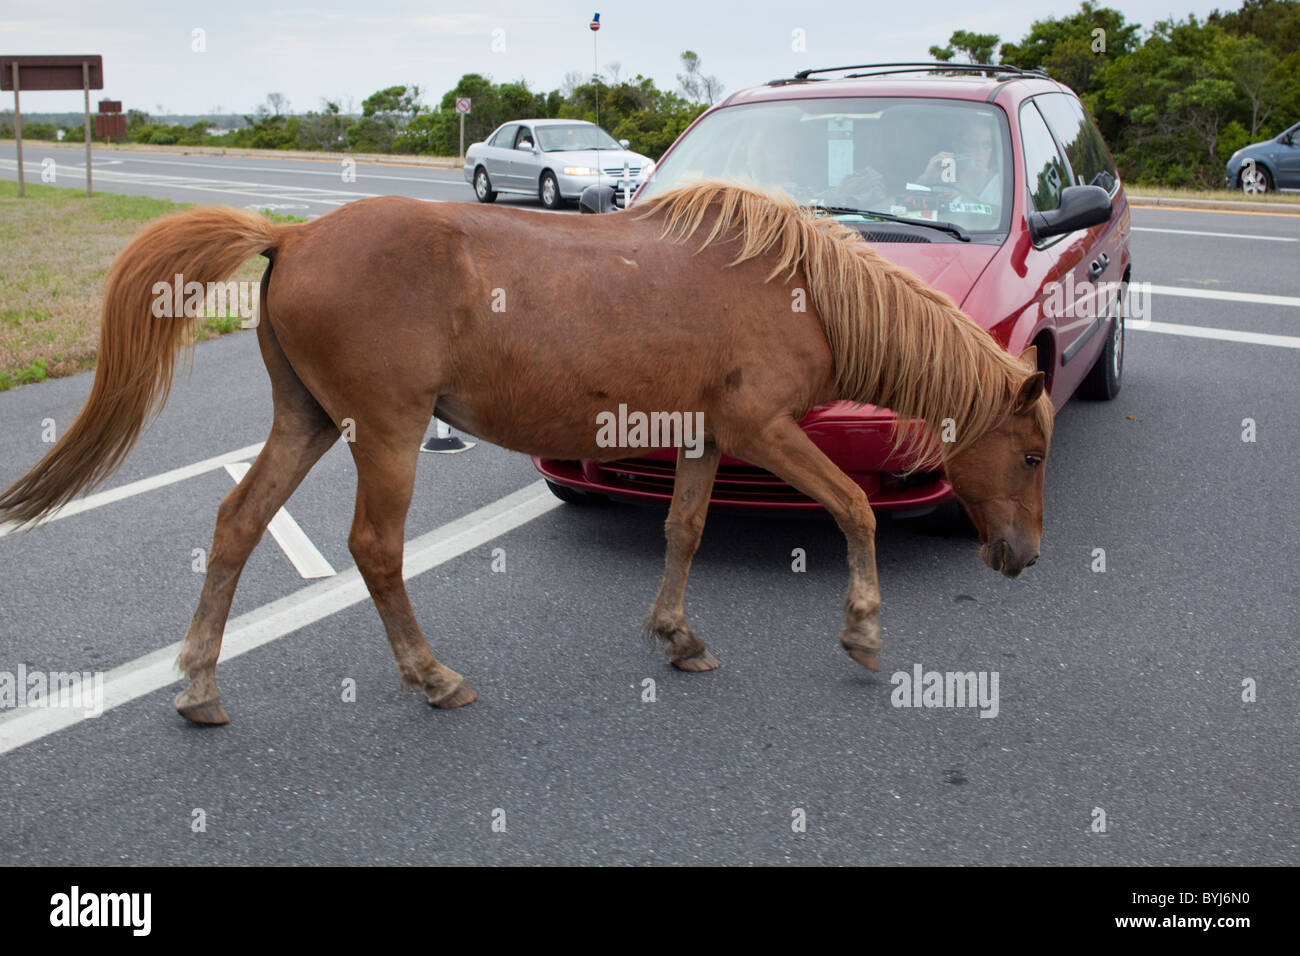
[
  {"x": 1030, "y": 390},
  {"x": 1029, "y": 357}
]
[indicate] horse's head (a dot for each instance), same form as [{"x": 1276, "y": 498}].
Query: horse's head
[{"x": 999, "y": 479}]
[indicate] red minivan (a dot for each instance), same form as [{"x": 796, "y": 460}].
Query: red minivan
[{"x": 961, "y": 173}]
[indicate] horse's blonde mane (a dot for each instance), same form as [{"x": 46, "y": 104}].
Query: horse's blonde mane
[{"x": 896, "y": 342}]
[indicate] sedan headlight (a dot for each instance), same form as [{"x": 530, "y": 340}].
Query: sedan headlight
[
  {"x": 579, "y": 171},
  {"x": 1234, "y": 155}
]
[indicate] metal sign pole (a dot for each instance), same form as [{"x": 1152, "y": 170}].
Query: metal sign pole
[
  {"x": 18, "y": 134},
  {"x": 85, "y": 88},
  {"x": 462, "y": 137}
]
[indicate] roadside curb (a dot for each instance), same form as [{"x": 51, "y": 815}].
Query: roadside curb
[{"x": 1229, "y": 204}]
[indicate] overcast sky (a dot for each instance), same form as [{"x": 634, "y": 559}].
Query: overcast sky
[{"x": 347, "y": 50}]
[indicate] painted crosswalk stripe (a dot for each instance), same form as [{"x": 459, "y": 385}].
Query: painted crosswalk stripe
[
  {"x": 1223, "y": 335},
  {"x": 99, "y": 499},
  {"x": 272, "y": 621},
  {"x": 288, "y": 534}
]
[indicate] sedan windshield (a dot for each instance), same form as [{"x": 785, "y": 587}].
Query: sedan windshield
[
  {"x": 555, "y": 139},
  {"x": 914, "y": 158}
]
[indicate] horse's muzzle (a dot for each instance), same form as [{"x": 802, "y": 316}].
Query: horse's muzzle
[{"x": 1000, "y": 556}]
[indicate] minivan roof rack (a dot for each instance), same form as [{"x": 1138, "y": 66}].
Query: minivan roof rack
[{"x": 879, "y": 69}]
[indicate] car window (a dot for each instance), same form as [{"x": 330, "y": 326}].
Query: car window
[
  {"x": 1045, "y": 171},
  {"x": 505, "y": 137},
  {"x": 914, "y": 157},
  {"x": 1081, "y": 140},
  {"x": 558, "y": 138},
  {"x": 525, "y": 138}
]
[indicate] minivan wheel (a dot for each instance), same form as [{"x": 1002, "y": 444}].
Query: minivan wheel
[{"x": 1104, "y": 378}]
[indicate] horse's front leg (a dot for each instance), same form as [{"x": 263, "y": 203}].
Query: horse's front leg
[
  {"x": 691, "y": 492},
  {"x": 784, "y": 449},
  {"x": 861, "y": 634}
]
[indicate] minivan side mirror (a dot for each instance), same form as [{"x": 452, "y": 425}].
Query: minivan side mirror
[
  {"x": 1081, "y": 207},
  {"x": 597, "y": 199}
]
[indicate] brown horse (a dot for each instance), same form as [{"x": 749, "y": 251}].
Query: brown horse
[{"x": 522, "y": 328}]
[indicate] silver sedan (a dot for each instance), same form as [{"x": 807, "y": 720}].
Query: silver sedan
[{"x": 554, "y": 160}]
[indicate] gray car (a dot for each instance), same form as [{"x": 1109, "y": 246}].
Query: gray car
[
  {"x": 1271, "y": 165},
  {"x": 552, "y": 159}
]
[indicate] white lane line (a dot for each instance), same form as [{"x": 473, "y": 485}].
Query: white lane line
[
  {"x": 288, "y": 534},
  {"x": 226, "y": 187},
  {"x": 1225, "y": 335},
  {"x": 459, "y": 177},
  {"x": 1255, "y": 298},
  {"x": 1220, "y": 235},
  {"x": 143, "y": 485},
  {"x": 269, "y": 622}
]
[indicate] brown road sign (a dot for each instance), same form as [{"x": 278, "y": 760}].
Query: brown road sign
[
  {"x": 51, "y": 72},
  {"x": 73, "y": 72}
]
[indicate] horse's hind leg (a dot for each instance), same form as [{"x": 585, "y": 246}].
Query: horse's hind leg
[
  {"x": 784, "y": 449},
  {"x": 685, "y": 524},
  {"x": 301, "y": 433},
  {"x": 386, "y": 464}
]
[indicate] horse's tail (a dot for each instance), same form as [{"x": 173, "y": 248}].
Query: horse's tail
[{"x": 138, "y": 347}]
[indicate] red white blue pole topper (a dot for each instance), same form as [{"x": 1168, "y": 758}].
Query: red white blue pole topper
[{"x": 595, "y": 57}]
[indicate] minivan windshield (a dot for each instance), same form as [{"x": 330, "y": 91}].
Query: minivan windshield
[{"x": 916, "y": 158}]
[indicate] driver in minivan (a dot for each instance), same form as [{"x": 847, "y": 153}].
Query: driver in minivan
[{"x": 970, "y": 169}]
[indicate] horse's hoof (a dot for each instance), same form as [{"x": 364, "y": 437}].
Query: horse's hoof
[
  {"x": 868, "y": 659},
  {"x": 462, "y": 695},
  {"x": 208, "y": 712},
  {"x": 703, "y": 661}
]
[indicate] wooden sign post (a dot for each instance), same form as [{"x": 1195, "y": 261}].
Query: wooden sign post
[{"x": 83, "y": 73}]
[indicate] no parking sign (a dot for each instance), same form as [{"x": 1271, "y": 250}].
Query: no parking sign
[{"x": 462, "y": 107}]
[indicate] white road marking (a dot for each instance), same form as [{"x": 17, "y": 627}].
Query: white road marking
[
  {"x": 1225, "y": 335},
  {"x": 1221, "y": 235},
  {"x": 1255, "y": 298},
  {"x": 288, "y": 534},
  {"x": 295, "y": 171},
  {"x": 143, "y": 485},
  {"x": 227, "y": 187},
  {"x": 272, "y": 621}
]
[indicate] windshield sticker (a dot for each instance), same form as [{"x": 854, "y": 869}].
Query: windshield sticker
[
  {"x": 973, "y": 208},
  {"x": 839, "y": 150}
]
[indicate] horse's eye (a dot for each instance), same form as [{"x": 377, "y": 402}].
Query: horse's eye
[{"x": 1033, "y": 461}]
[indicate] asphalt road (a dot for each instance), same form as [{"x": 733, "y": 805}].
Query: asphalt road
[
  {"x": 296, "y": 187},
  {"x": 1119, "y": 691}
]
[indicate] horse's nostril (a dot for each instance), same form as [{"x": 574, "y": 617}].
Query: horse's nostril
[{"x": 1032, "y": 561}]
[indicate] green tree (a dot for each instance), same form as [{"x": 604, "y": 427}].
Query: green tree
[
  {"x": 977, "y": 47},
  {"x": 1073, "y": 48},
  {"x": 384, "y": 115},
  {"x": 326, "y": 130}
]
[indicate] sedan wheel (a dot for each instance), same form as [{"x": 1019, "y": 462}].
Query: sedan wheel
[
  {"x": 483, "y": 187},
  {"x": 1255, "y": 180},
  {"x": 550, "y": 191}
]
